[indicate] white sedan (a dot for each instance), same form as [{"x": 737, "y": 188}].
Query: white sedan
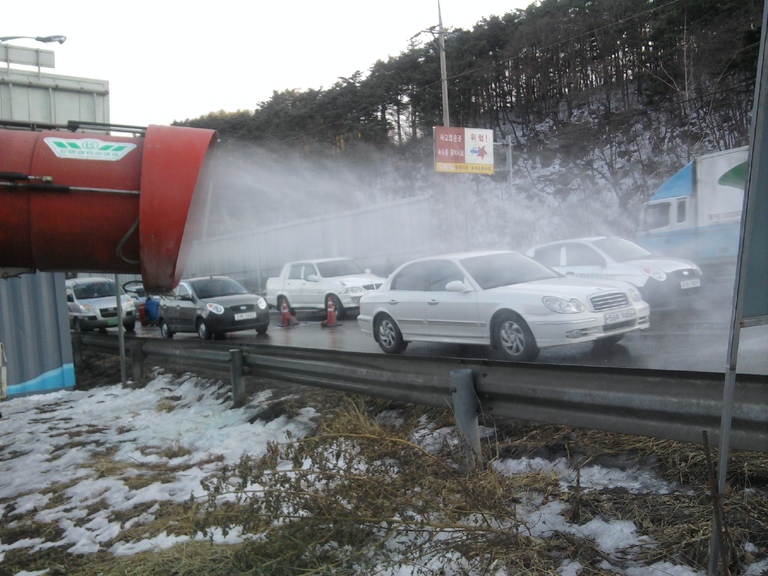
[
  {"x": 662, "y": 280},
  {"x": 498, "y": 298}
]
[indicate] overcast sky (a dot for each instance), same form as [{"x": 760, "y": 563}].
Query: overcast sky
[{"x": 169, "y": 60}]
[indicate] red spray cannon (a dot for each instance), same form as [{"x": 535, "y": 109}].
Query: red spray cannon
[{"x": 89, "y": 202}]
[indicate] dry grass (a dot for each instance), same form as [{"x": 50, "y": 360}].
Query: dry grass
[{"x": 362, "y": 493}]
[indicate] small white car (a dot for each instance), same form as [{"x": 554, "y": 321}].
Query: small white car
[
  {"x": 92, "y": 304},
  {"x": 499, "y": 298},
  {"x": 662, "y": 280},
  {"x": 307, "y": 285}
]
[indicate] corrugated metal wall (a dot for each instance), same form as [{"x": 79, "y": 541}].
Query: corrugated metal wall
[
  {"x": 380, "y": 237},
  {"x": 34, "y": 330}
]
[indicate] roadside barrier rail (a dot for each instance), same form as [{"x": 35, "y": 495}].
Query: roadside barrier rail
[{"x": 672, "y": 405}]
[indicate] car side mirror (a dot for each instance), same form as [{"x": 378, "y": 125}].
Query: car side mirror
[
  {"x": 313, "y": 278},
  {"x": 70, "y": 297},
  {"x": 457, "y": 286}
]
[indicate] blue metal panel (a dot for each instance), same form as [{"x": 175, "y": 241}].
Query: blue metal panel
[
  {"x": 34, "y": 330},
  {"x": 680, "y": 184}
]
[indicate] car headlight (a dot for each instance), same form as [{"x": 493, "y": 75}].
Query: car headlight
[
  {"x": 262, "y": 304},
  {"x": 634, "y": 295},
  {"x": 215, "y": 308},
  {"x": 654, "y": 273},
  {"x": 86, "y": 309},
  {"x": 352, "y": 290},
  {"x": 563, "y": 306}
]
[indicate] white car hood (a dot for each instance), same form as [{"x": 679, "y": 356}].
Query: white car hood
[
  {"x": 358, "y": 280},
  {"x": 564, "y": 287},
  {"x": 107, "y": 302},
  {"x": 663, "y": 264}
]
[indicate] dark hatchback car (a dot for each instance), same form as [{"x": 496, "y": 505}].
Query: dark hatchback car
[{"x": 212, "y": 306}]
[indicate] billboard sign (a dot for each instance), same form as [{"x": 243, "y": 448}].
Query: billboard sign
[{"x": 463, "y": 150}]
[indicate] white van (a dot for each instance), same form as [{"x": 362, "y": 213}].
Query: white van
[{"x": 92, "y": 304}]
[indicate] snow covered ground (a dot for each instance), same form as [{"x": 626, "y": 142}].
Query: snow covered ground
[{"x": 56, "y": 439}]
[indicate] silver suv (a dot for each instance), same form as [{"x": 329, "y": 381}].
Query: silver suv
[{"x": 92, "y": 304}]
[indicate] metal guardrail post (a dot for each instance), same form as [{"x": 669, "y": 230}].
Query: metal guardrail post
[
  {"x": 77, "y": 352},
  {"x": 236, "y": 368},
  {"x": 137, "y": 366},
  {"x": 465, "y": 406}
]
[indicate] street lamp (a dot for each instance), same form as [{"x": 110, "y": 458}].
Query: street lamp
[{"x": 45, "y": 39}]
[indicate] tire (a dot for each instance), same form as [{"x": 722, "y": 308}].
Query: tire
[
  {"x": 388, "y": 335},
  {"x": 340, "y": 312},
  {"x": 514, "y": 339},
  {"x": 262, "y": 330},
  {"x": 131, "y": 326},
  {"x": 202, "y": 330},
  {"x": 165, "y": 330},
  {"x": 280, "y": 301},
  {"x": 76, "y": 326}
]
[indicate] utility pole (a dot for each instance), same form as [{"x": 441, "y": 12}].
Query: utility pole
[{"x": 443, "y": 75}]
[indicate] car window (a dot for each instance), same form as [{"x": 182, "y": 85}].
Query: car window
[
  {"x": 441, "y": 272},
  {"x": 182, "y": 291},
  {"x": 413, "y": 277},
  {"x": 99, "y": 289},
  {"x": 548, "y": 255},
  {"x": 655, "y": 216},
  {"x": 581, "y": 255},
  {"x": 335, "y": 268},
  {"x": 296, "y": 272},
  {"x": 621, "y": 249},
  {"x": 505, "y": 269},
  {"x": 214, "y": 287}
]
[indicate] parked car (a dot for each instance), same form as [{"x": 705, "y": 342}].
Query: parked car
[
  {"x": 660, "y": 279},
  {"x": 307, "y": 284},
  {"x": 92, "y": 304},
  {"x": 498, "y": 298},
  {"x": 212, "y": 306}
]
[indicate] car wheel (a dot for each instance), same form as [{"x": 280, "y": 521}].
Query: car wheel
[
  {"x": 103, "y": 330},
  {"x": 76, "y": 326},
  {"x": 165, "y": 330},
  {"x": 261, "y": 330},
  {"x": 202, "y": 330},
  {"x": 130, "y": 327},
  {"x": 388, "y": 335},
  {"x": 513, "y": 337},
  {"x": 340, "y": 312},
  {"x": 280, "y": 301}
]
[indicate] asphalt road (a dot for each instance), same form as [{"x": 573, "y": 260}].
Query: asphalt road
[{"x": 691, "y": 337}]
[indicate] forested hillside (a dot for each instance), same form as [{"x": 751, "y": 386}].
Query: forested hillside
[{"x": 602, "y": 100}]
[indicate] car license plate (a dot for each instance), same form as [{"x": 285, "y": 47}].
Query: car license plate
[
  {"x": 614, "y": 317},
  {"x": 112, "y": 322},
  {"x": 690, "y": 284},
  {"x": 245, "y": 316}
]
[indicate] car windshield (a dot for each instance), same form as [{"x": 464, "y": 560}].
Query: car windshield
[
  {"x": 213, "y": 287},
  {"x": 334, "y": 268},
  {"x": 505, "y": 269},
  {"x": 622, "y": 250},
  {"x": 100, "y": 289}
]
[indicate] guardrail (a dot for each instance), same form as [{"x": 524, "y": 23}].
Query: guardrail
[{"x": 673, "y": 405}]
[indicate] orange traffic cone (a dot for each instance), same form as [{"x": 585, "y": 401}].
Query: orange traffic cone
[
  {"x": 330, "y": 321},
  {"x": 285, "y": 313}
]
